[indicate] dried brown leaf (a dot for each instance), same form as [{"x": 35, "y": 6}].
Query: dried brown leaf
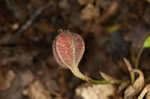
[
  {"x": 90, "y": 12},
  {"x": 6, "y": 78},
  {"x": 136, "y": 87},
  {"x": 96, "y": 91},
  {"x": 37, "y": 91}
]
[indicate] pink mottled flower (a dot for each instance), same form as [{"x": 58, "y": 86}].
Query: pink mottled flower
[{"x": 68, "y": 49}]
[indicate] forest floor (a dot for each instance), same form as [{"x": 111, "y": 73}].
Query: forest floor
[{"x": 112, "y": 30}]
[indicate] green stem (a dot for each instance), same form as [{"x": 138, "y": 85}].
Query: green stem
[
  {"x": 80, "y": 75},
  {"x": 99, "y": 82},
  {"x": 138, "y": 57}
]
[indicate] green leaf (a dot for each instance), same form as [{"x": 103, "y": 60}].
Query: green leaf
[{"x": 147, "y": 42}]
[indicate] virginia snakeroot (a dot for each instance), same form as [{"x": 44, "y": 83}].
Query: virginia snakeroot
[{"x": 68, "y": 49}]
